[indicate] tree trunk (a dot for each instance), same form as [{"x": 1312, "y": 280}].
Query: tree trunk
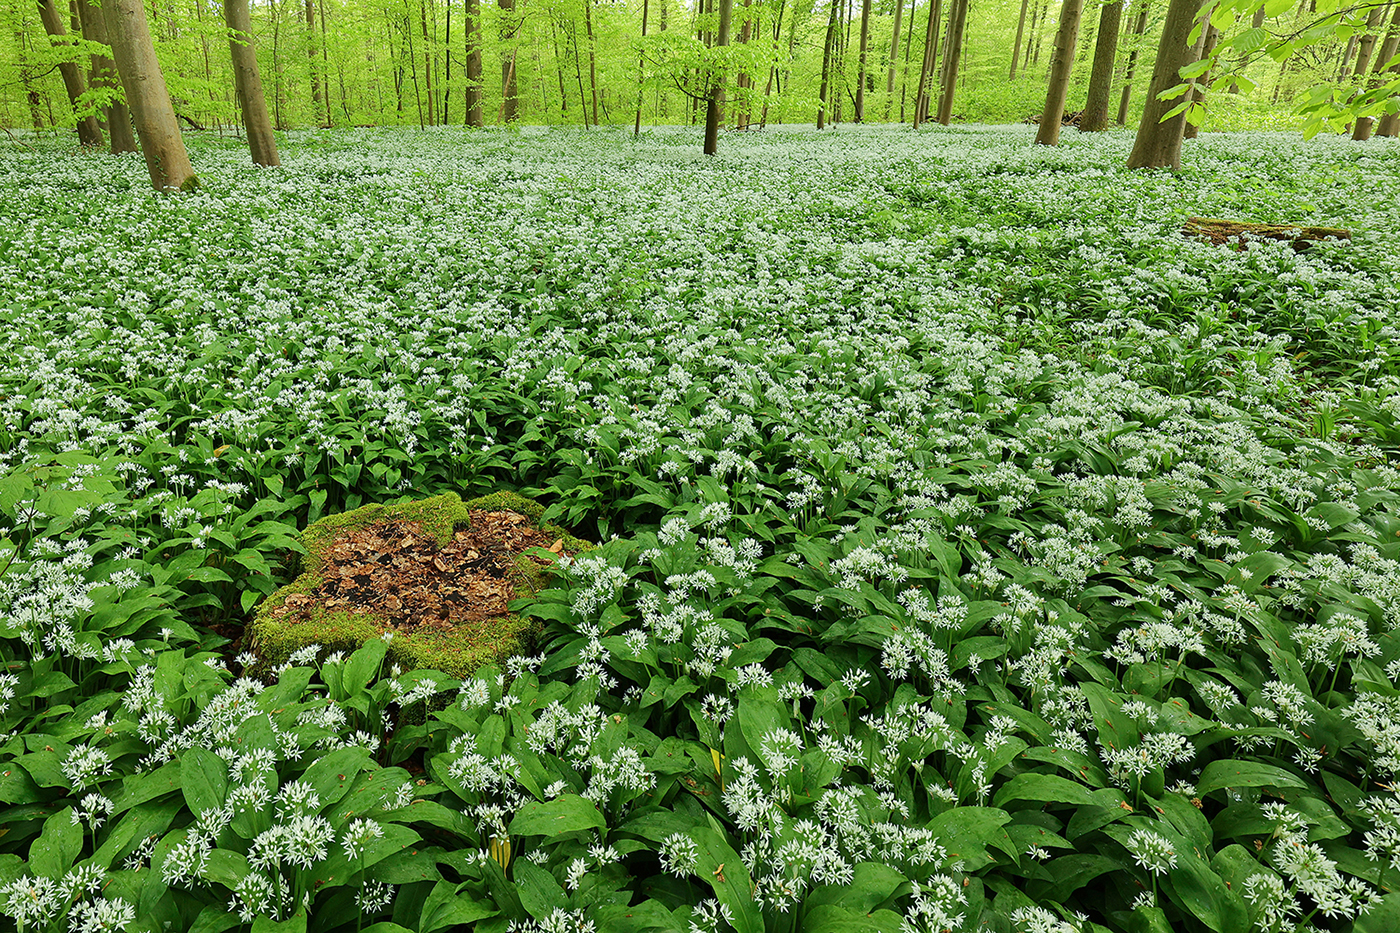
[
  {"x": 1020, "y": 32},
  {"x": 923, "y": 92},
  {"x": 1061, "y": 64},
  {"x": 104, "y": 75},
  {"x": 1212, "y": 36},
  {"x": 510, "y": 104},
  {"x": 1040, "y": 35},
  {"x": 1139, "y": 28},
  {"x": 472, "y": 11},
  {"x": 826, "y": 67},
  {"x": 1095, "y": 116},
  {"x": 74, "y": 81},
  {"x": 146, "y": 95},
  {"x": 312, "y": 63},
  {"x": 592, "y": 56},
  {"x": 1158, "y": 141},
  {"x": 326, "y": 69},
  {"x": 714, "y": 110},
  {"x": 1255, "y": 23},
  {"x": 641, "y": 73},
  {"x": 860, "y": 65},
  {"x": 744, "y": 80},
  {"x": 1365, "y": 125},
  {"x": 1367, "y": 45},
  {"x": 952, "y": 57},
  {"x": 894, "y": 56},
  {"x": 427, "y": 63},
  {"x": 248, "y": 83}
]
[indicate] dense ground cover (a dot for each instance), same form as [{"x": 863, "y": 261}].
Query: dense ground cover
[{"x": 978, "y": 553}]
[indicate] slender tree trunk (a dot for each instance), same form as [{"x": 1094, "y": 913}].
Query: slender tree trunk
[
  {"x": 326, "y": 69},
  {"x": 641, "y": 73},
  {"x": 427, "y": 63},
  {"x": 1205, "y": 48},
  {"x": 1139, "y": 28},
  {"x": 104, "y": 75},
  {"x": 559, "y": 68},
  {"x": 1365, "y": 125},
  {"x": 510, "y": 104},
  {"x": 279, "y": 113},
  {"x": 262, "y": 145},
  {"x": 313, "y": 64},
  {"x": 1367, "y": 44},
  {"x": 74, "y": 82},
  {"x": 923, "y": 92},
  {"x": 413, "y": 62},
  {"x": 1095, "y": 116},
  {"x": 146, "y": 96},
  {"x": 1158, "y": 141},
  {"x": 957, "y": 23},
  {"x": 908, "y": 43},
  {"x": 592, "y": 56},
  {"x": 773, "y": 66},
  {"x": 1061, "y": 64},
  {"x": 827, "y": 51},
  {"x": 860, "y": 62},
  {"x": 714, "y": 109},
  {"x": 1040, "y": 34},
  {"x": 472, "y": 15},
  {"x": 894, "y": 57},
  {"x": 1020, "y": 31},
  {"x": 744, "y": 80},
  {"x": 578, "y": 73}
]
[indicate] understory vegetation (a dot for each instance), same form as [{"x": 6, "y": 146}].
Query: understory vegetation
[{"x": 976, "y": 552}]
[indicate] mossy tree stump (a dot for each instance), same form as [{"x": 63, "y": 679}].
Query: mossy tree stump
[{"x": 435, "y": 575}]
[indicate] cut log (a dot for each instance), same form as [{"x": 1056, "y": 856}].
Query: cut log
[{"x": 1221, "y": 232}]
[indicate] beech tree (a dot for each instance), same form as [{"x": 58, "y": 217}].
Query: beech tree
[
  {"x": 248, "y": 83},
  {"x": 103, "y": 77},
  {"x": 714, "y": 108},
  {"x": 1095, "y": 116},
  {"x": 151, "y": 111},
  {"x": 73, "y": 79},
  {"x": 1158, "y": 141},
  {"x": 1061, "y": 63}
]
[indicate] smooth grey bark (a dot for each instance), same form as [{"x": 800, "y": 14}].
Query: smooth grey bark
[
  {"x": 146, "y": 95},
  {"x": 1158, "y": 141},
  {"x": 1020, "y": 32},
  {"x": 104, "y": 75},
  {"x": 714, "y": 107},
  {"x": 262, "y": 145},
  {"x": 952, "y": 57},
  {"x": 74, "y": 82},
  {"x": 860, "y": 68},
  {"x": 1061, "y": 64},
  {"x": 1095, "y": 116},
  {"x": 1138, "y": 29},
  {"x": 472, "y": 94}
]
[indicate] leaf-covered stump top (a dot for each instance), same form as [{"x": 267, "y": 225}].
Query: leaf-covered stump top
[{"x": 438, "y": 574}]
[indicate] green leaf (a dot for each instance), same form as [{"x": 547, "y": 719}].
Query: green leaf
[
  {"x": 332, "y": 775},
  {"x": 965, "y": 833},
  {"x": 720, "y": 866},
  {"x": 204, "y": 779},
  {"x": 363, "y": 666},
  {"x": 57, "y": 847},
  {"x": 296, "y": 923},
  {"x": 1225, "y": 773},
  {"x": 1045, "y": 788},
  {"x": 567, "y": 814},
  {"x": 540, "y": 893}
]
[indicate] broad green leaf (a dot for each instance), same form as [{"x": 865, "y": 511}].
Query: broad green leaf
[
  {"x": 204, "y": 779},
  {"x": 58, "y": 846},
  {"x": 1225, "y": 773},
  {"x": 567, "y": 814}
]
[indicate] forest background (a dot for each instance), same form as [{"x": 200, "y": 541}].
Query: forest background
[{"x": 644, "y": 62}]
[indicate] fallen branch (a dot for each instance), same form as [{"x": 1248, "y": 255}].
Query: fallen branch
[{"x": 1221, "y": 232}]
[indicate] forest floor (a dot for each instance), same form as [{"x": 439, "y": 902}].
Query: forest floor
[{"x": 976, "y": 549}]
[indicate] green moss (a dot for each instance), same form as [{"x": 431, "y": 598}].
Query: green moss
[{"x": 458, "y": 652}]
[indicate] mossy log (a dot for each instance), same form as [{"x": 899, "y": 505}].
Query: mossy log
[
  {"x": 1221, "y": 232},
  {"x": 298, "y": 614}
]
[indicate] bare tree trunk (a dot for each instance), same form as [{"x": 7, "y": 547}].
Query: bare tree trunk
[
  {"x": 1211, "y": 36},
  {"x": 860, "y": 66},
  {"x": 744, "y": 80},
  {"x": 1039, "y": 35},
  {"x": 641, "y": 72},
  {"x": 1158, "y": 141},
  {"x": 427, "y": 63},
  {"x": 1367, "y": 45},
  {"x": 246, "y": 80},
  {"x": 1020, "y": 31},
  {"x": 1364, "y": 125},
  {"x": 1095, "y": 116},
  {"x": 1061, "y": 64},
  {"x": 313, "y": 64},
  {"x": 957, "y": 24},
  {"x": 714, "y": 109},
  {"x": 826, "y": 67},
  {"x": 146, "y": 95},
  {"x": 1139, "y": 28},
  {"x": 104, "y": 75},
  {"x": 923, "y": 91},
  {"x": 510, "y": 104},
  {"x": 592, "y": 56},
  {"x": 74, "y": 81},
  {"x": 894, "y": 57},
  {"x": 773, "y": 66},
  {"x": 473, "y": 63},
  {"x": 413, "y": 61},
  {"x": 326, "y": 69}
]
